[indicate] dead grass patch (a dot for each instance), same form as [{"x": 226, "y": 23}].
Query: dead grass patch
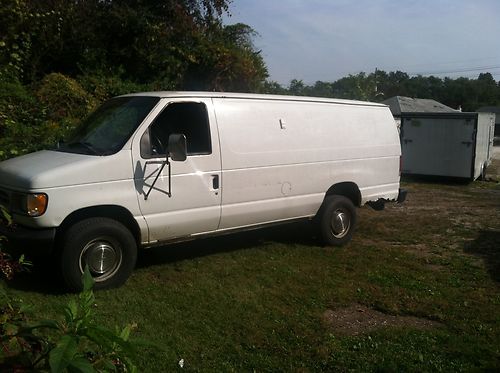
[{"x": 358, "y": 319}]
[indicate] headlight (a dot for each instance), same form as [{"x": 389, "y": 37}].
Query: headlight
[{"x": 31, "y": 204}]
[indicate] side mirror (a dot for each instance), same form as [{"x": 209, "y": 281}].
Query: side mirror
[{"x": 177, "y": 149}]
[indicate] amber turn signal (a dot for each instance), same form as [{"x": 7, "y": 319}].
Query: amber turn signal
[{"x": 36, "y": 204}]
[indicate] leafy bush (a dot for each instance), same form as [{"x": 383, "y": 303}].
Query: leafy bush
[
  {"x": 65, "y": 103},
  {"x": 31, "y": 121},
  {"x": 8, "y": 266},
  {"x": 20, "y": 115},
  {"x": 75, "y": 343},
  {"x": 14, "y": 42},
  {"x": 104, "y": 85},
  {"x": 64, "y": 98}
]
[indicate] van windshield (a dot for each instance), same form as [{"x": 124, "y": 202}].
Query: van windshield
[{"x": 108, "y": 128}]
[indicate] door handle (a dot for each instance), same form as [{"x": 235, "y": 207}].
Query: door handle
[{"x": 215, "y": 182}]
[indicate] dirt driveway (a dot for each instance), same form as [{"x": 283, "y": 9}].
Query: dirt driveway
[
  {"x": 496, "y": 152},
  {"x": 494, "y": 169},
  {"x": 443, "y": 224}
]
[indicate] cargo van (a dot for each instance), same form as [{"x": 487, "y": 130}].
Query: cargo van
[{"x": 150, "y": 168}]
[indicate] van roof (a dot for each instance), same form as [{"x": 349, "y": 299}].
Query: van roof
[{"x": 251, "y": 96}]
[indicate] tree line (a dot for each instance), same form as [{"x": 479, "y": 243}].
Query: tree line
[{"x": 465, "y": 93}]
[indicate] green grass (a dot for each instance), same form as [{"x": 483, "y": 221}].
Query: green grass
[{"x": 255, "y": 301}]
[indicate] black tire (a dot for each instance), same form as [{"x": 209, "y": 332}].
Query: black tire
[
  {"x": 105, "y": 245},
  {"x": 337, "y": 219}
]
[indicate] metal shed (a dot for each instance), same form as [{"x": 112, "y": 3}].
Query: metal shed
[{"x": 440, "y": 141}]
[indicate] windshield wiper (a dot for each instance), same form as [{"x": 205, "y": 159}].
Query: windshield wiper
[{"x": 85, "y": 145}]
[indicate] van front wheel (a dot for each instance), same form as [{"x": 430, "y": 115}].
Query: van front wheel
[
  {"x": 104, "y": 245},
  {"x": 337, "y": 220}
]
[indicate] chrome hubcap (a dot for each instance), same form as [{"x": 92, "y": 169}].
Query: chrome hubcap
[
  {"x": 340, "y": 223},
  {"x": 102, "y": 258}
]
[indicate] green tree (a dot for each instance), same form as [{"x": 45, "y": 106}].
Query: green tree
[
  {"x": 272, "y": 87},
  {"x": 358, "y": 87},
  {"x": 225, "y": 59},
  {"x": 487, "y": 90},
  {"x": 297, "y": 88},
  {"x": 171, "y": 44}
]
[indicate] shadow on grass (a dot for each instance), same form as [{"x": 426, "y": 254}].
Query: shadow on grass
[
  {"x": 487, "y": 247},
  {"x": 432, "y": 179},
  {"x": 44, "y": 278},
  {"x": 295, "y": 233}
]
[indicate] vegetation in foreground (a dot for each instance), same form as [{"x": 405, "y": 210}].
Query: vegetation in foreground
[
  {"x": 71, "y": 342},
  {"x": 419, "y": 281}
]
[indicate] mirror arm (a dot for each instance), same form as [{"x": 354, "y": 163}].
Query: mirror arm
[
  {"x": 169, "y": 193},
  {"x": 163, "y": 164}
]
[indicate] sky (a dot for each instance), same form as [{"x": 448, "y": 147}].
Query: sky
[{"x": 313, "y": 40}]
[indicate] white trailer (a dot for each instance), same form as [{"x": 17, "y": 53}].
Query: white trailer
[{"x": 447, "y": 144}]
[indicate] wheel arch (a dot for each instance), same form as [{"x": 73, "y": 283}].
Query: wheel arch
[
  {"x": 115, "y": 212},
  {"x": 347, "y": 189}
]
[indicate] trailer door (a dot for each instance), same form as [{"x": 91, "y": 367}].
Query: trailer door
[{"x": 438, "y": 146}]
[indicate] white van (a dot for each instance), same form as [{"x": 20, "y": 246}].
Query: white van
[{"x": 157, "y": 167}]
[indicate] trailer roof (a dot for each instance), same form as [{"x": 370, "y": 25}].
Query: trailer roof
[
  {"x": 405, "y": 105},
  {"x": 180, "y": 94}
]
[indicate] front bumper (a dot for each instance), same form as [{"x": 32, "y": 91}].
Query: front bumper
[{"x": 32, "y": 240}]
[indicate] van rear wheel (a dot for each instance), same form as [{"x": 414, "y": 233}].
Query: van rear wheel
[
  {"x": 337, "y": 220},
  {"x": 106, "y": 246}
]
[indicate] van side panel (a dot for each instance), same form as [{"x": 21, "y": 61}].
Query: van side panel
[{"x": 280, "y": 157}]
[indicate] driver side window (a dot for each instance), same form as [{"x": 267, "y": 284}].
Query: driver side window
[{"x": 188, "y": 118}]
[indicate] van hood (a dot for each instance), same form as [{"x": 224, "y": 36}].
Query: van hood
[{"x": 49, "y": 169}]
